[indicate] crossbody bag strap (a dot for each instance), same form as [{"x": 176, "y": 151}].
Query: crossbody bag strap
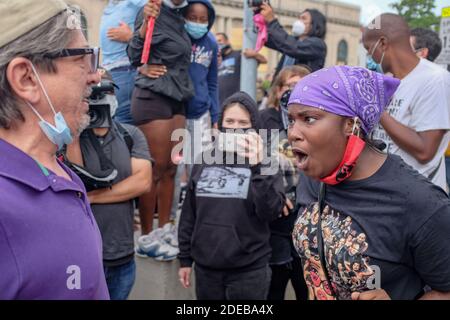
[{"x": 320, "y": 243}]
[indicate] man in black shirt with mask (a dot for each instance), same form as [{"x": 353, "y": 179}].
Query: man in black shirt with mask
[
  {"x": 106, "y": 147},
  {"x": 230, "y": 66}
]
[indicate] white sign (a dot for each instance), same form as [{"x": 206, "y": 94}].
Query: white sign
[{"x": 444, "y": 57}]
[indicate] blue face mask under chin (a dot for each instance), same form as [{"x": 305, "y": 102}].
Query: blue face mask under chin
[
  {"x": 196, "y": 30},
  {"x": 59, "y": 134},
  {"x": 373, "y": 66}
]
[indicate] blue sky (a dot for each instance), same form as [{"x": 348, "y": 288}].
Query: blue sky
[{"x": 371, "y": 8}]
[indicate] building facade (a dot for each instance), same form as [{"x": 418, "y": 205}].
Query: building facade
[{"x": 343, "y": 29}]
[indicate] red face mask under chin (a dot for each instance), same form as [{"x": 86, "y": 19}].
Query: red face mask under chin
[{"x": 355, "y": 146}]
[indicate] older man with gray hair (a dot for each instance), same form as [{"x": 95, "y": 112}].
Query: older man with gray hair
[{"x": 49, "y": 241}]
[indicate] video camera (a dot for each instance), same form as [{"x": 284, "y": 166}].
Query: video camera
[
  {"x": 256, "y": 4},
  {"x": 100, "y": 108},
  {"x": 101, "y": 105}
]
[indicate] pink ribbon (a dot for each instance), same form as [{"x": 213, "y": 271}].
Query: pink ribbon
[{"x": 260, "y": 24}]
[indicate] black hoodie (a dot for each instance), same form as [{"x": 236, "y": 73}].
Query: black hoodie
[{"x": 224, "y": 222}]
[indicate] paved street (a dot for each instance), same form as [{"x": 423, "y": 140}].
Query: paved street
[{"x": 157, "y": 280}]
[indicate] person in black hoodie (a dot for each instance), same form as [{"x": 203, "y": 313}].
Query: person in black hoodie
[
  {"x": 306, "y": 45},
  {"x": 158, "y": 103},
  {"x": 224, "y": 223},
  {"x": 285, "y": 261}
]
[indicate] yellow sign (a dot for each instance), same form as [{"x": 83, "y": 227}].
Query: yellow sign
[{"x": 446, "y": 12}]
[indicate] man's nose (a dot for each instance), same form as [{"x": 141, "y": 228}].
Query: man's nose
[{"x": 94, "y": 78}]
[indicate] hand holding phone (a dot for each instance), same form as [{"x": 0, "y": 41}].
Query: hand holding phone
[
  {"x": 252, "y": 147},
  {"x": 230, "y": 141},
  {"x": 249, "y": 145}
]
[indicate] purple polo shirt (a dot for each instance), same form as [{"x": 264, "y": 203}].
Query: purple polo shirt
[{"x": 50, "y": 245}]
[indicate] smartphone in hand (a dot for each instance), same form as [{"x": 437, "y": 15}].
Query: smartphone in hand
[{"x": 232, "y": 142}]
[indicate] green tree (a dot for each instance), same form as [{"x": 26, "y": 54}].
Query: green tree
[{"x": 418, "y": 13}]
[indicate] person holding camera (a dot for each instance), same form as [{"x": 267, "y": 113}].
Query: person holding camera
[
  {"x": 159, "y": 103},
  {"x": 307, "y": 45},
  {"x": 224, "y": 223},
  {"x": 113, "y": 161},
  {"x": 285, "y": 262},
  {"x": 50, "y": 245}
]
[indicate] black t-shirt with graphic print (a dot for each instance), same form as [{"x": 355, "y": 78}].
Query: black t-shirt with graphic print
[{"x": 390, "y": 231}]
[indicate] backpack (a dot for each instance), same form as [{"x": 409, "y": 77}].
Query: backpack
[{"x": 126, "y": 136}]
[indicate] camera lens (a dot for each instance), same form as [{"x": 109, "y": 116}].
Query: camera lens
[
  {"x": 100, "y": 116},
  {"x": 93, "y": 114}
]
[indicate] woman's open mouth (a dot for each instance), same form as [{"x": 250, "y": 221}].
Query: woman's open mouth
[{"x": 302, "y": 158}]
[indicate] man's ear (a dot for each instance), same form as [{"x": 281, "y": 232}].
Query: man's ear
[
  {"x": 384, "y": 43},
  {"x": 424, "y": 53},
  {"x": 23, "y": 81}
]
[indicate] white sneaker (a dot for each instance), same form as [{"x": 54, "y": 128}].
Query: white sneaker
[
  {"x": 170, "y": 234},
  {"x": 151, "y": 246}
]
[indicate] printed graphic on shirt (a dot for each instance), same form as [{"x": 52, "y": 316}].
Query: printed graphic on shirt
[
  {"x": 224, "y": 182},
  {"x": 228, "y": 67},
  {"x": 344, "y": 248},
  {"x": 379, "y": 133},
  {"x": 201, "y": 56}
]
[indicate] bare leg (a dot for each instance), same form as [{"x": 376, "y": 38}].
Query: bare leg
[
  {"x": 158, "y": 134},
  {"x": 167, "y": 183}
]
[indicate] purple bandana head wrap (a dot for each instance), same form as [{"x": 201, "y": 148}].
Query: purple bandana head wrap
[{"x": 348, "y": 92}]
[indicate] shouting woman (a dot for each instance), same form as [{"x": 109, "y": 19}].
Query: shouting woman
[{"x": 394, "y": 222}]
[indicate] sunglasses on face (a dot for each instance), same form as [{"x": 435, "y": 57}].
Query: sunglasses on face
[{"x": 94, "y": 54}]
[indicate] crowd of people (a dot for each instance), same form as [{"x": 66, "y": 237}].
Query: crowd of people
[{"x": 357, "y": 208}]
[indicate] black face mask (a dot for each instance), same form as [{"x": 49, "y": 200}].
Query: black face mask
[
  {"x": 225, "y": 49},
  {"x": 243, "y": 131},
  {"x": 284, "y": 101}
]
